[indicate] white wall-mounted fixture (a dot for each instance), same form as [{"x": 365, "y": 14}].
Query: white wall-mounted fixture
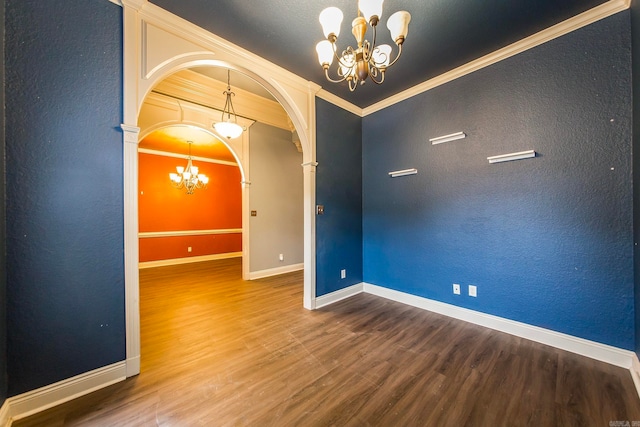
[
  {"x": 512, "y": 156},
  {"x": 447, "y": 138},
  {"x": 367, "y": 60},
  {"x": 403, "y": 172}
]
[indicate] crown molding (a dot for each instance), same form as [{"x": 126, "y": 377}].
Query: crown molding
[
  {"x": 565, "y": 27},
  {"x": 339, "y": 102},
  {"x": 184, "y": 157},
  {"x": 155, "y": 14}
]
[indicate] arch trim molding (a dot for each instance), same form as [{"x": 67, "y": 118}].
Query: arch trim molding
[{"x": 157, "y": 44}]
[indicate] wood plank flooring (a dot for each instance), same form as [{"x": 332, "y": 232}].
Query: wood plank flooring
[{"x": 219, "y": 351}]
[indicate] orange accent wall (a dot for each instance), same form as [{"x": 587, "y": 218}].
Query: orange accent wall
[{"x": 165, "y": 208}]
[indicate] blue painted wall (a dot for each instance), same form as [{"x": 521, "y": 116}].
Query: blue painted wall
[
  {"x": 64, "y": 190},
  {"x": 3, "y": 247},
  {"x": 635, "y": 54},
  {"x": 547, "y": 241},
  {"x": 339, "y": 189}
]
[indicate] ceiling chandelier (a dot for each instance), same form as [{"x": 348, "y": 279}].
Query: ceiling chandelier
[
  {"x": 228, "y": 127},
  {"x": 367, "y": 60},
  {"x": 188, "y": 177}
]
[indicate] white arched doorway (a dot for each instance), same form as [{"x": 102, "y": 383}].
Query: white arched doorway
[{"x": 157, "y": 44}]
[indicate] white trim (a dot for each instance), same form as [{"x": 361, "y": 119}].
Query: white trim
[
  {"x": 130, "y": 136},
  {"x": 184, "y": 157},
  {"x": 261, "y": 274},
  {"x": 4, "y": 414},
  {"x": 586, "y": 18},
  {"x": 605, "y": 353},
  {"x": 635, "y": 372},
  {"x": 339, "y": 102},
  {"x": 512, "y": 156},
  {"x": 193, "y": 46},
  {"x": 339, "y": 295},
  {"x": 188, "y": 260},
  {"x": 29, "y": 403},
  {"x": 152, "y": 234}
]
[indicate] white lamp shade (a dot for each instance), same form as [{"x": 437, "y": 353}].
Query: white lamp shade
[
  {"x": 370, "y": 8},
  {"x": 203, "y": 178},
  {"x": 229, "y": 130},
  {"x": 382, "y": 55},
  {"x": 194, "y": 170},
  {"x": 174, "y": 177},
  {"x": 325, "y": 52},
  {"x": 398, "y": 24},
  {"x": 180, "y": 169},
  {"x": 330, "y": 19}
]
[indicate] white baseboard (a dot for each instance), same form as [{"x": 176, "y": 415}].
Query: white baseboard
[
  {"x": 187, "y": 260},
  {"x": 34, "y": 401},
  {"x": 339, "y": 295},
  {"x": 605, "y": 353},
  {"x": 261, "y": 274},
  {"x": 133, "y": 366}
]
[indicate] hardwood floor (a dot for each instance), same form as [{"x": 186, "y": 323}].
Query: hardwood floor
[{"x": 218, "y": 351}]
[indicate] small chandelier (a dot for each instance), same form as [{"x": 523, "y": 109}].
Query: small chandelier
[
  {"x": 188, "y": 177},
  {"x": 367, "y": 60},
  {"x": 228, "y": 127}
]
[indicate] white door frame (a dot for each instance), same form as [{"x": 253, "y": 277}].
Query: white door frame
[{"x": 157, "y": 44}]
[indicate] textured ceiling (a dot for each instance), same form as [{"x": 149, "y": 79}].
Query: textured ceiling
[{"x": 443, "y": 34}]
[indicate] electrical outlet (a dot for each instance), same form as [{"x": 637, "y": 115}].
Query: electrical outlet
[
  {"x": 189, "y": 249},
  {"x": 456, "y": 289},
  {"x": 343, "y": 274},
  {"x": 281, "y": 257},
  {"x": 473, "y": 291}
]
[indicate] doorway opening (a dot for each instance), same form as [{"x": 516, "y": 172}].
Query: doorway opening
[{"x": 253, "y": 204}]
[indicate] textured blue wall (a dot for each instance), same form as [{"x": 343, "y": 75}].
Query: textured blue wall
[
  {"x": 548, "y": 241},
  {"x": 339, "y": 189},
  {"x": 635, "y": 54},
  {"x": 64, "y": 190},
  {"x": 3, "y": 248}
]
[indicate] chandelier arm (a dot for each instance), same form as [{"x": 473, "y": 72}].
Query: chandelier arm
[
  {"x": 231, "y": 109},
  {"x": 397, "y": 56},
  {"x": 370, "y": 47},
  {"x": 224, "y": 109},
  {"x": 353, "y": 84},
  {"x": 348, "y": 51},
  {"x": 374, "y": 72},
  {"x": 326, "y": 73}
]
